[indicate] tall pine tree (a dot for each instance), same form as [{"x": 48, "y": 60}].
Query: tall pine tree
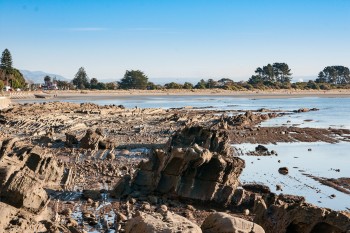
[{"x": 6, "y": 60}]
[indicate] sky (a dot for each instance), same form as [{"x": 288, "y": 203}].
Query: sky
[{"x": 175, "y": 39}]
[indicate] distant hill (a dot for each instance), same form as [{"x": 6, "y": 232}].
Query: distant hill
[{"x": 38, "y": 76}]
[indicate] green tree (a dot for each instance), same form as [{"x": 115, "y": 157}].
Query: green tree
[
  {"x": 133, "y": 79},
  {"x": 225, "y": 83},
  {"x": 201, "y": 84},
  {"x": 271, "y": 74},
  {"x": 64, "y": 85},
  {"x": 173, "y": 85},
  {"x": 13, "y": 78},
  {"x": 211, "y": 83},
  {"x": 188, "y": 85},
  {"x": 101, "y": 86},
  {"x": 334, "y": 75},
  {"x": 47, "y": 79},
  {"x": 81, "y": 80},
  {"x": 152, "y": 86},
  {"x": 6, "y": 60},
  {"x": 93, "y": 83},
  {"x": 282, "y": 72}
]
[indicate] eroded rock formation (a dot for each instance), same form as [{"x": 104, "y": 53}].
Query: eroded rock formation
[
  {"x": 290, "y": 214},
  {"x": 160, "y": 222},
  {"x": 24, "y": 171},
  {"x": 222, "y": 222},
  {"x": 197, "y": 163}
]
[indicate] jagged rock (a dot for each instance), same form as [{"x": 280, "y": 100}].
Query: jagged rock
[
  {"x": 248, "y": 119},
  {"x": 71, "y": 140},
  {"x": 122, "y": 188},
  {"x": 155, "y": 222},
  {"x": 23, "y": 173},
  {"x": 305, "y": 110},
  {"x": 13, "y": 220},
  {"x": 261, "y": 149},
  {"x": 198, "y": 163},
  {"x": 24, "y": 190},
  {"x": 7, "y": 145},
  {"x": 91, "y": 139},
  {"x": 256, "y": 188},
  {"x": 294, "y": 215},
  {"x": 107, "y": 144},
  {"x": 222, "y": 222}
]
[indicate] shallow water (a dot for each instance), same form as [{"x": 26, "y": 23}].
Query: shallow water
[
  {"x": 333, "y": 112},
  {"x": 320, "y": 161}
]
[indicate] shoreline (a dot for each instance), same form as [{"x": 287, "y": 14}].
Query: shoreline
[
  {"x": 93, "y": 150},
  {"x": 258, "y": 94}
]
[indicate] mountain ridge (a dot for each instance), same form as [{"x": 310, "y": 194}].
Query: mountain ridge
[{"x": 38, "y": 76}]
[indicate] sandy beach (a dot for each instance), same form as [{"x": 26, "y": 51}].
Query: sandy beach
[{"x": 258, "y": 94}]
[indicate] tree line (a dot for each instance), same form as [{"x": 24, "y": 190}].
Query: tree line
[
  {"x": 10, "y": 76},
  {"x": 271, "y": 76}
]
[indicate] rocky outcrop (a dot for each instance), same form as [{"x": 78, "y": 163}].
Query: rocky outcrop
[
  {"x": 24, "y": 171},
  {"x": 197, "y": 163},
  {"x": 156, "y": 222},
  {"x": 248, "y": 119},
  {"x": 13, "y": 220},
  {"x": 300, "y": 110},
  {"x": 222, "y": 222},
  {"x": 286, "y": 214},
  {"x": 91, "y": 139},
  {"x": 24, "y": 190}
]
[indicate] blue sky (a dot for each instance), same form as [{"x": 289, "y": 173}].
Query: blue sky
[{"x": 177, "y": 39}]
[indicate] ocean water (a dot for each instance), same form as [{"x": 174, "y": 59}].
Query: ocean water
[
  {"x": 333, "y": 112},
  {"x": 322, "y": 161}
]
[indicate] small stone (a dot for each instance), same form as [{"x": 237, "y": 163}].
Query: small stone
[
  {"x": 95, "y": 204},
  {"x": 122, "y": 217},
  {"x": 278, "y": 187},
  {"x": 72, "y": 222},
  {"x": 125, "y": 152},
  {"x": 132, "y": 200},
  {"x": 146, "y": 207},
  {"x": 110, "y": 156},
  {"x": 163, "y": 209},
  {"x": 190, "y": 207},
  {"x": 246, "y": 212},
  {"x": 283, "y": 170},
  {"x": 66, "y": 212}
]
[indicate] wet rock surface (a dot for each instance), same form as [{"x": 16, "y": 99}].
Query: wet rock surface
[{"x": 68, "y": 167}]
